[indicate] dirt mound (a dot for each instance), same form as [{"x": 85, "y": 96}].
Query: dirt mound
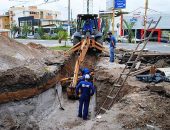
[
  {"x": 17, "y": 50},
  {"x": 17, "y": 78},
  {"x": 25, "y": 67},
  {"x": 36, "y": 46}
]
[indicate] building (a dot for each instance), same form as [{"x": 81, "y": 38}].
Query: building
[
  {"x": 32, "y": 16},
  {"x": 44, "y": 16},
  {"x": 161, "y": 32},
  {"x": 4, "y": 22}
]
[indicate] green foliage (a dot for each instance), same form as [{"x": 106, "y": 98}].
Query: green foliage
[
  {"x": 26, "y": 29},
  {"x": 14, "y": 29},
  {"x": 46, "y": 37},
  {"x": 106, "y": 29},
  {"x": 41, "y": 32},
  {"x": 58, "y": 29},
  {"x": 54, "y": 38},
  {"x": 63, "y": 48},
  {"x": 129, "y": 27},
  {"x": 62, "y": 35}
]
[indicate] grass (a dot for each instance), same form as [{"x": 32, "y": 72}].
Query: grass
[{"x": 63, "y": 48}]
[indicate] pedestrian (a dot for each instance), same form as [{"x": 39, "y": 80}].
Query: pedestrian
[
  {"x": 87, "y": 90},
  {"x": 112, "y": 41}
]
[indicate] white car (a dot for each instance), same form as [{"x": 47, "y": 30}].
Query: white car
[
  {"x": 122, "y": 39},
  {"x": 137, "y": 40},
  {"x": 30, "y": 36}
]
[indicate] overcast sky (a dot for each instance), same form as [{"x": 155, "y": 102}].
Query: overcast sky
[{"x": 77, "y": 5}]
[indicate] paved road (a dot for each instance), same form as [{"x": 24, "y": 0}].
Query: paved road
[
  {"x": 46, "y": 43},
  {"x": 160, "y": 47}
]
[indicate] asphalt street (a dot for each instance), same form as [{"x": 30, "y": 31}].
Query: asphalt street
[{"x": 152, "y": 46}]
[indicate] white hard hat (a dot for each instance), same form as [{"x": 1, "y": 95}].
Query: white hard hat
[{"x": 87, "y": 76}]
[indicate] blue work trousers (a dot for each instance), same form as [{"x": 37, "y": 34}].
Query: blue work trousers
[
  {"x": 112, "y": 54},
  {"x": 84, "y": 102}
]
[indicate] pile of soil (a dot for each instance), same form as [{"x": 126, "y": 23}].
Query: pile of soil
[{"x": 26, "y": 67}]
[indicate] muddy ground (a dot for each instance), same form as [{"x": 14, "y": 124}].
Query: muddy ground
[{"x": 28, "y": 82}]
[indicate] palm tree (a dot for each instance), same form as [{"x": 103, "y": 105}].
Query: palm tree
[
  {"x": 129, "y": 27},
  {"x": 14, "y": 30}
]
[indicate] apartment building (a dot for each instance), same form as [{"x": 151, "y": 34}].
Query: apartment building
[
  {"x": 4, "y": 22},
  {"x": 32, "y": 16},
  {"x": 36, "y": 17}
]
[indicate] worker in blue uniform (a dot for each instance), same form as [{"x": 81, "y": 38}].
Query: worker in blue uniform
[
  {"x": 112, "y": 41},
  {"x": 84, "y": 71},
  {"x": 87, "y": 90},
  {"x": 88, "y": 26}
]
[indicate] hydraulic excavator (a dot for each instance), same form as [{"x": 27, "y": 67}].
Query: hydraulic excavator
[{"x": 84, "y": 41}]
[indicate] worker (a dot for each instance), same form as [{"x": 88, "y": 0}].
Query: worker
[
  {"x": 84, "y": 71},
  {"x": 87, "y": 26},
  {"x": 87, "y": 90},
  {"x": 112, "y": 47}
]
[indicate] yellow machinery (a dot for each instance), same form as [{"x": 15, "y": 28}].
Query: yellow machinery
[{"x": 82, "y": 47}]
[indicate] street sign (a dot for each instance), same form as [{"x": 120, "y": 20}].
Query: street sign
[{"x": 119, "y": 4}]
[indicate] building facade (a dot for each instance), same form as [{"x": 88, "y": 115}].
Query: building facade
[
  {"x": 33, "y": 17},
  {"x": 40, "y": 16},
  {"x": 161, "y": 32},
  {"x": 4, "y": 22}
]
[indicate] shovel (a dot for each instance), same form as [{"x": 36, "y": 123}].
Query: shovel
[{"x": 61, "y": 108}]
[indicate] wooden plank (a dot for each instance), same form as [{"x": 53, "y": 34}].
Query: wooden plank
[{"x": 140, "y": 71}]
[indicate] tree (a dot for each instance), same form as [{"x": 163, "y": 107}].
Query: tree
[
  {"x": 41, "y": 32},
  {"x": 129, "y": 27},
  {"x": 26, "y": 29},
  {"x": 62, "y": 35},
  {"x": 14, "y": 30}
]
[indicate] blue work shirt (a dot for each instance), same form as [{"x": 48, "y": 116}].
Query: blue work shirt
[
  {"x": 88, "y": 26},
  {"x": 87, "y": 89},
  {"x": 112, "y": 39}
]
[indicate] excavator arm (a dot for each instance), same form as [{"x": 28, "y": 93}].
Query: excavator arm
[{"x": 82, "y": 47}]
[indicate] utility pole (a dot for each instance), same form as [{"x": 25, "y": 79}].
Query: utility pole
[
  {"x": 145, "y": 16},
  {"x": 87, "y": 6},
  {"x": 113, "y": 18},
  {"x": 68, "y": 18}
]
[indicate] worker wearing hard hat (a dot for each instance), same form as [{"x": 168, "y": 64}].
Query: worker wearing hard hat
[
  {"x": 84, "y": 71},
  {"x": 112, "y": 42},
  {"x": 88, "y": 26},
  {"x": 87, "y": 90}
]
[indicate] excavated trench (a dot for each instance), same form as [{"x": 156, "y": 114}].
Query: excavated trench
[{"x": 37, "y": 108}]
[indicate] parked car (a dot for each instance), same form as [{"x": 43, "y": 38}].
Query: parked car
[
  {"x": 30, "y": 36},
  {"x": 137, "y": 40},
  {"x": 122, "y": 39}
]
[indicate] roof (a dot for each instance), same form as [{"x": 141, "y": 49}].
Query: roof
[{"x": 87, "y": 16}]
